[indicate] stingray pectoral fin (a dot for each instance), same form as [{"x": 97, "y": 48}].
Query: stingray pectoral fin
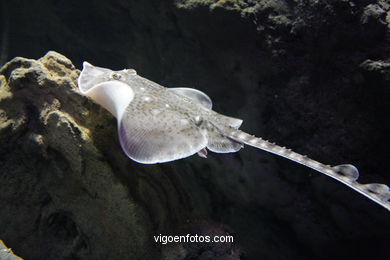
[
  {"x": 148, "y": 138},
  {"x": 201, "y": 98},
  {"x": 195, "y": 95},
  {"x": 113, "y": 95}
]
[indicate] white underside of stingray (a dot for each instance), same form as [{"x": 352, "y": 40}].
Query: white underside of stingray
[{"x": 158, "y": 124}]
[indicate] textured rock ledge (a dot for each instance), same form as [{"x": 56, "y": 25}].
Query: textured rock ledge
[{"x": 53, "y": 170}]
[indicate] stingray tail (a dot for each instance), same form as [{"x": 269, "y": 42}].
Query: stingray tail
[{"x": 345, "y": 173}]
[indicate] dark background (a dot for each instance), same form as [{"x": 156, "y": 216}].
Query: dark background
[{"x": 310, "y": 75}]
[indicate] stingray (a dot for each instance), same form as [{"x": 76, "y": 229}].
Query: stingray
[{"x": 158, "y": 124}]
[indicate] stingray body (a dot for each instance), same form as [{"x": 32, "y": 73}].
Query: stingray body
[{"x": 158, "y": 124}]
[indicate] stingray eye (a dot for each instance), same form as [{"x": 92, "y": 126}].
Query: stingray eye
[{"x": 116, "y": 76}]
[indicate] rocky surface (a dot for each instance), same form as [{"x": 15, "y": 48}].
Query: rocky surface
[{"x": 311, "y": 75}]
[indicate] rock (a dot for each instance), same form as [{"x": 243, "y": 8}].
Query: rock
[
  {"x": 377, "y": 68},
  {"x": 60, "y": 193},
  {"x": 372, "y": 12},
  {"x": 63, "y": 165}
]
